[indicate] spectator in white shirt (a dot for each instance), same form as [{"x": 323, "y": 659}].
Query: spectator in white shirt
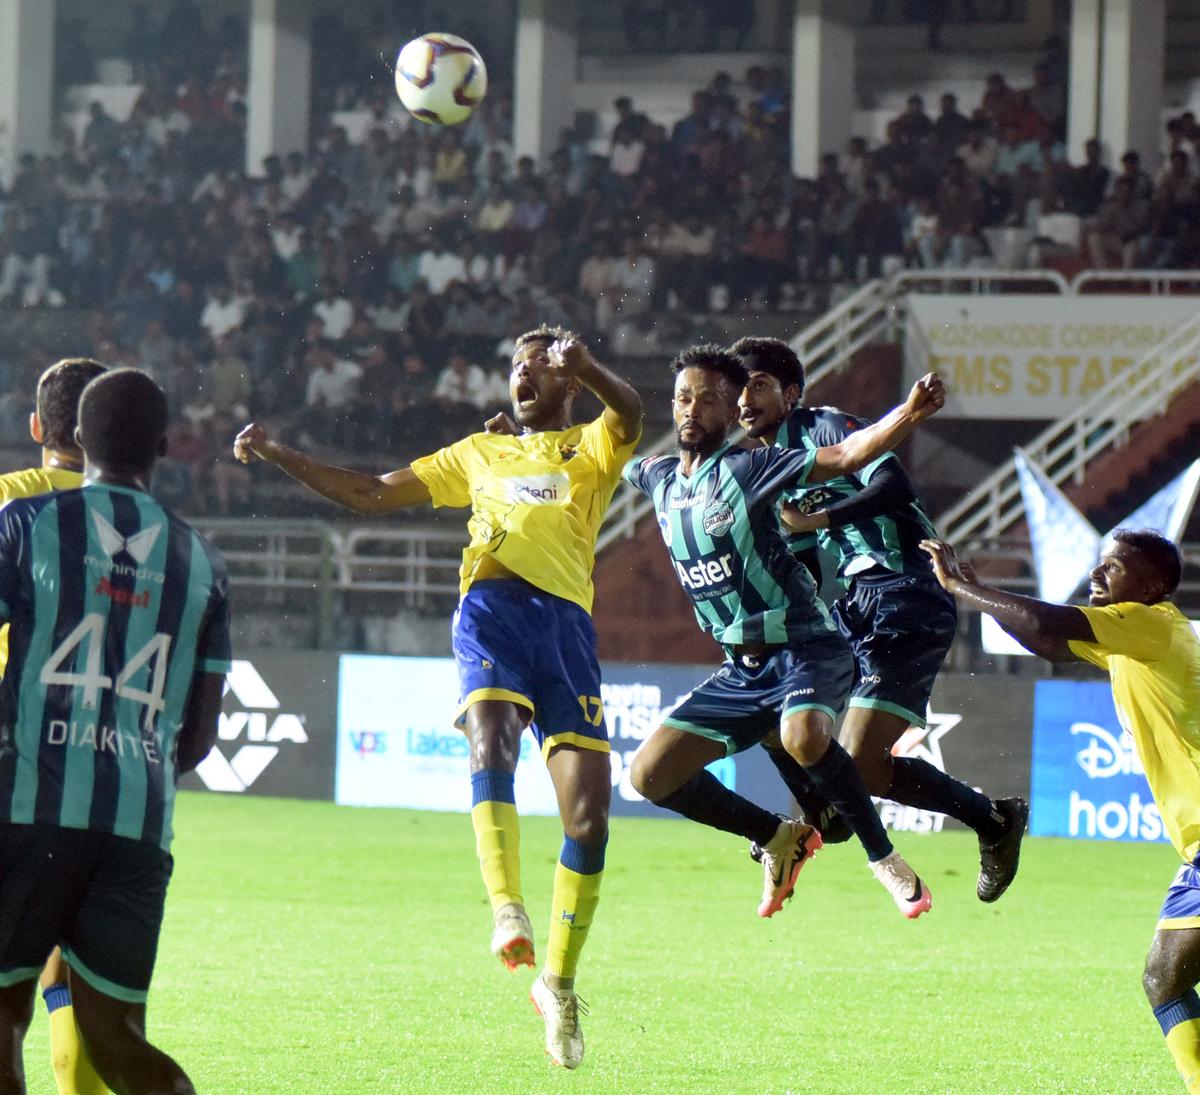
[
  {"x": 334, "y": 311},
  {"x": 461, "y": 385},
  {"x": 328, "y": 395},
  {"x": 296, "y": 179},
  {"x": 223, "y": 312},
  {"x": 440, "y": 266}
]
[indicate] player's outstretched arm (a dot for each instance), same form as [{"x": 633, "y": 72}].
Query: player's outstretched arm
[
  {"x": 199, "y": 731},
  {"x": 622, "y": 404},
  {"x": 1042, "y": 628},
  {"x": 356, "y": 490},
  {"x": 927, "y": 397},
  {"x": 888, "y": 489}
]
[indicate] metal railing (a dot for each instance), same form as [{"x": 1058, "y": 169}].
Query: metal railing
[
  {"x": 1065, "y": 448},
  {"x": 418, "y": 565}
]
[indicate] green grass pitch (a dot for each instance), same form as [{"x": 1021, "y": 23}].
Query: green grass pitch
[{"x": 315, "y": 949}]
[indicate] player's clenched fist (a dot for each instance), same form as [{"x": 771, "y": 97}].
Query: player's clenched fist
[
  {"x": 927, "y": 397},
  {"x": 570, "y": 356},
  {"x": 253, "y": 442}
]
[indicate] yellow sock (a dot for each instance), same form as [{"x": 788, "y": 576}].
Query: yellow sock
[
  {"x": 1183, "y": 1040},
  {"x": 576, "y": 895},
  {"x": 73, "y": 1072},
  {"x": 498, "y": 845}
]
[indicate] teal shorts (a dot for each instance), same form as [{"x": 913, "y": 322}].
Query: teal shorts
[
  {"x": 98, "y": 896},
  {"x": 747, "y": 698}
]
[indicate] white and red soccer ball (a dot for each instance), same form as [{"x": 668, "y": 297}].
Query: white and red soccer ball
[{"x": 440, "y": 78}]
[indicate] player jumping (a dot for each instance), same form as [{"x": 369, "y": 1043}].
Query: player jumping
[
  {"x": 786, "y": 667},
  {"x": 523, "y": 635},
  {"x": 1147, "y": 646},
  {"x": 898, "y": 621}
]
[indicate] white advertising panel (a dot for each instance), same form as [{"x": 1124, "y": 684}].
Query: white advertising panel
[
  {"x": 1031, "y": 356},
  {"x": 397, "y": 747}
]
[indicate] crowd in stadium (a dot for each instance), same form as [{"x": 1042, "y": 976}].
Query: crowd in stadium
[{"x": 343, "y": 291}]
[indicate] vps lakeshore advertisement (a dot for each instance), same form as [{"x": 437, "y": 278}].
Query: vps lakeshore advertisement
[
  {"x": 1087, "y": 780},
  {"x": 396, "y": 745},
  {"x": 1031, "y": 356}
]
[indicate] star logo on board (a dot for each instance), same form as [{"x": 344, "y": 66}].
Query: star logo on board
[{"x": 925, "y": 742}]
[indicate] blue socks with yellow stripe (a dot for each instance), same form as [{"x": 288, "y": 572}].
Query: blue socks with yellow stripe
[
  {"x": 1179, "y": 1020},
  {"x": 576, "y": 895}
]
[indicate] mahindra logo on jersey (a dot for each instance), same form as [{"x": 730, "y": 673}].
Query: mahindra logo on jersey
[
  {"x": 539, "y": 490},
  {"x": 257, "y": 718}
]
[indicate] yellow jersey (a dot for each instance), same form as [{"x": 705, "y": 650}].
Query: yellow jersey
[
  {"x": 536, "y": 501},
  {"x": 1153, "y": 661},
  {"x": 25, "y": 484}
]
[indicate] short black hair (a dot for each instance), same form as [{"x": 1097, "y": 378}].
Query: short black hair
[
  {"x": 715, "y": 359},
  {"x": 58, "y": 391},
  {"x": 772, "y": 356},
  {"x": 1162, "y": 555},
  {"x": 123, "y": 419},
  {"x": 546, "y": 333}
]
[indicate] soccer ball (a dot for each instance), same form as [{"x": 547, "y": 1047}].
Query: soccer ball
[{"x": 440, "y": 79}]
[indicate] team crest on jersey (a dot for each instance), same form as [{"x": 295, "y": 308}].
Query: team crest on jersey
[
  {"x": 718, "y": 518},
  {"x": 567, "y": 451},
  {"x": 665, "y": 524}
]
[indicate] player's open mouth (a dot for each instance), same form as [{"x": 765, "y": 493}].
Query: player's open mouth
[
  {"x": 526, "y": 394},
  {"x": 749, "y": 417}
]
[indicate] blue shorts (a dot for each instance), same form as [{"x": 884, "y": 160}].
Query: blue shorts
[
  {"x": 746, "y": 699},
  {"x": 899, "y": 627},
  {"x": 1181, "y": 908},
  {"x": 513, "y": 641}
]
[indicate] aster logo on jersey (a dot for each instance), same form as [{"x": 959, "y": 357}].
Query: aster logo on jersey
[
  {"x": 707, "y": 578},
  {"x": 539, "y": 490},
  {"x": 1087, "y": 780},
  {"x": 275, "y": 734}
]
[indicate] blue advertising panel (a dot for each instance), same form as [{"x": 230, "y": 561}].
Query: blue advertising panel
[
  {"x": 396, "y": 745},
  {"x": 1087, "y": 781}
]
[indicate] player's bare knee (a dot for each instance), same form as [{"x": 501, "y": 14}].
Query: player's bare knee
[
  {"x": 590, "y": 830},
  {"x": 1152, "y": 985},
  {"x": 642, "y": 776},
  {"x": 806, "y": 739}
]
